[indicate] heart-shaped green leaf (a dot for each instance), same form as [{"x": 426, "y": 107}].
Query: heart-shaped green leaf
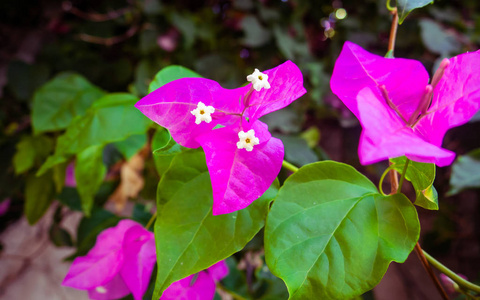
[
  {"x": 31, "y": 150},
  {"x": 169, "y": 74},
  {"x": 406, "y": 6},
  {"x": 110, "y": 119},
  {"x": 331, "y": 235},
  {"x": 421, "y": 175},
  {"x": 188, "y": 237},
  {"x": 63, "y": 98}
]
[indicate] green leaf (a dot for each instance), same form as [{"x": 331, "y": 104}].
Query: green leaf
[
  {"x": 39, "y": 193},
  {"x": 406, "y": 6},
  {"x": 70, "y": 197},
  {"x": 59, "y": 172},
  {"x": 255, "y": 34},
  {"x": 31, "y": 150},
  {"x": 170, "y": 147},
  {"x": 144, "y": 73},
  {"x": 188, "y": 237},
  {"x": 61, "y": 99},
  {"x": 438, "y": 40},
  {"x": 169, "y": 74},
  {"x": 131, "y": 145},
  {"x": 331, "y": 235},
  {"x": 290, "y": 47},
  {"x": 185, "y": 24},
  {"x": 421, "y": 175},
  {"x": 465, "y": 172},
  {"x": 89, "y": 174},
  {"x": 110, "y": 119},
  {"x": 164, "y": 150},
  {"x": 59, "y": 236}
]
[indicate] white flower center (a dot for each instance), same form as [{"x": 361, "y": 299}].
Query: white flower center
[
  {"x": 247, "y": 140},
  {"x": 203, "y": 113},
  {"x": 259, "y": 80},
  {"x": 101, "y": 290}
]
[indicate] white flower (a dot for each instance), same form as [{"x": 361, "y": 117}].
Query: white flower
[
  {"x": 259, "y": 80},
  {"x": 247, "y": 140},
  {"x": 203, "y": 113},
  {"x": 101, "y": 290}
]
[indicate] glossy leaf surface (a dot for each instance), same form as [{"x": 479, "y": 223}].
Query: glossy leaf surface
[
  {"x": 112, "y": 118},
  {"x": 60, "y": 100},
  {"x": 189, "y": 238},
  {"x": 421, "y": 175},
  {"x": 331, "y": 235},
  {"x": 406, "y": 6}
]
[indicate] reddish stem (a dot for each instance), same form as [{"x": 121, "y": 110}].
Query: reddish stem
[
  {"x": 393, "y": 31},
  {"x": 430, "y": 272}
]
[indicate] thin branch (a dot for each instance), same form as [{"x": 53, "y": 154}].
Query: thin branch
[
  {"x": 152, "y": 219},
  {"x": 111, "y": 40},
  {"x": 393, "y": 33},
  {"x": 418, "y": 249},
  {"x": 393, "y": 181},
  {"x": 95, "y": 17},
  {"x": 430, "y": 272}
]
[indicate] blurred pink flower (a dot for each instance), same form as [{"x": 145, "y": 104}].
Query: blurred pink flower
[
  {"x": 200, "y": 286},
  {"x": 70, "y": 175},
  {"x": 4, "y": 205},
  {"x": 120, "y": 263},
  {"x": 169, "y": 40},
  {"x": 450, "y": 284}
]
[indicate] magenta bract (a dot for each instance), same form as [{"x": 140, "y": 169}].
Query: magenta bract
[
  {"x": 200, "y": 286},
  {"x": 243, "y": 159},
  {"x": 120, "y": 263},
  {"x": 400, "y": 112}
]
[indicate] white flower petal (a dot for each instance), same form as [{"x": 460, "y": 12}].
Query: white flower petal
[
  {"x": 259, "y": 80},
  {"x": 203, "y": 113}
]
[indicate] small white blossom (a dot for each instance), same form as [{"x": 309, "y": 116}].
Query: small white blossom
[
  {"x": 259, "y": 80},
  {"x": 247, "y": 140},
  {"x": 203, "y": 113},
  {"x": 101, "y": 290}
]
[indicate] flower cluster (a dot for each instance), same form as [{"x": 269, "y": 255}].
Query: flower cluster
[
  {"x": 400, "y": 112},
  {"x": 243, "y": 158},
  {"x": 197, "y": 286},
  {"x": 120, "y": 263}
]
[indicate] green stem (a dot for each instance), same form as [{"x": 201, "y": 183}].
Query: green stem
[
  {"x": 389, "y": 6},
  {"x": 452, "y": 275},
  {"x": 400, "y": 184},
  {"x": 150, "y": 222},
  {"x": 381, "y": 180},
  {"x": 289, "y": 166}
]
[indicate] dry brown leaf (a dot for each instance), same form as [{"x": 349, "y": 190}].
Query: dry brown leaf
[{"x": 131, "y": 181}]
